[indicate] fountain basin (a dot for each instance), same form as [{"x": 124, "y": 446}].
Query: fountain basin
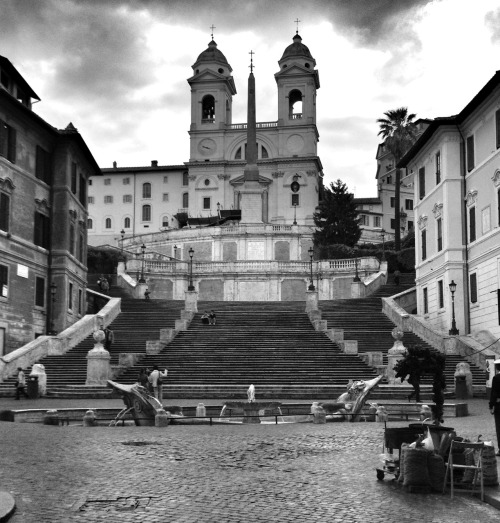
[{"x": 251, "y": 409}]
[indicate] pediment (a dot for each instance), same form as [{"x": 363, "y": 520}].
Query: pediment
[
  {"x": 240, "y": 180},
  {"x": 209, "y": 76},
  {"x": 296, "y": 70}
]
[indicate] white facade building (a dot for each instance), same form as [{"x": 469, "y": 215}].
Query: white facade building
[{"x": 456, "y": 164}]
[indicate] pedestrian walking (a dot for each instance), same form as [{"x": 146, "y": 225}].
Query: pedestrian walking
[
  {"x": 157, "y": 378},
  {"x": 105, "y": 285},
  {"x": 397, "y": 276},
  {"x": 146, "y": 294},
  {"x": 414, "y": 381},
  {"x": 494, "y": 403},
  {"x": 109, "y": 338},
  {"x": 21, "y": 384}
]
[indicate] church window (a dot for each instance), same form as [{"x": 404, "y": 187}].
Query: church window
[
  {"x": 185, "y": 200},
  {"x": 126, "y": 223},
  {"x": 264, "y": 153},
  {"x": 307, "y": 64},
  {"x": 220, "y": 70},
  {"x": 207, "y": 182},
  {"x": 206, "y": 203},
  {"x": 295, "y": 200},
  {"x": 146, "y": 213},
  {"x": 108, "y": 223},
  {"x": 185, "y": 179},
  {"x": 208, "y": 109},
  {"x": 146, "y": 190},
  {"x": 237, "y": 156},
  {"x": 295, "y": 105}
]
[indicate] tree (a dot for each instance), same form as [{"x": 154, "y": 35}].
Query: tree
[
  {"x": 399, "y": 133},
  {"x": 336, "y": 217}
]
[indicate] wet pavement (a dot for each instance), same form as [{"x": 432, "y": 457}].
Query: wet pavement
[{"x": 246, "y": 473}]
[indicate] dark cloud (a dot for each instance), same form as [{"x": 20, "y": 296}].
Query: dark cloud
[{"x": 492, "y": 21}]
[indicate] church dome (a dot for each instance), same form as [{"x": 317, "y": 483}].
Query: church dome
[
  {"x": 297, "y": 49},
  {"x": 212, "y": 55}
]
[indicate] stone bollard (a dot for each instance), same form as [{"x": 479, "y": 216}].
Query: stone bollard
[
  {"x": 201, "y": 411},
  {"x": 89, "y": 419},
  {"x": 51, "y": 417},
  {"x": 161, "y": 418},
  {"x": 98, "y": 362},
  {"x": 39, "y": 371},
  {"x": 319, "y": 416}
]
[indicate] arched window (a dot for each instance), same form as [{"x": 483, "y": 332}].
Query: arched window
[
  {"x": 241, "y": 152},
  {"x": 208, "y": 109},
  {"x": 237, "y": 156},
  {"x": 126, "y": 223},
  {"x": 146, "y": 190},
  {"x": 185, "y": 179},
  {"x": 185, "y": 200},
  {"x": 90, "y": 223},
  {"x": 295, "y": 105},
  {"x": 108, "y": 223},
  {"x": 164, "y": 221},
  {"x": 146, "y": 213},
  {"x": 264, "y": 153}
]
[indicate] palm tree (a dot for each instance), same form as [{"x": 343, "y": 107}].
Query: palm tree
[{"x": 399, "y": 133}]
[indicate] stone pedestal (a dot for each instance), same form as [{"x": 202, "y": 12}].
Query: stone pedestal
[
  {"x": 191, "y": 301},
  {"x": 394, "y": 354},
  {"x": 167, "y": 335},
  {"x": 201, "y": 410},
  {"x": 38, "y": 370},
  {"x": 161, "y": 418},
  {"x": 98, "y": 362},
  {"x": 181, "y": 325},
  {"x": 335, "y": 335},
  {"x": 348, "y": 346},
  {"x": 320, "y": 325},
  {"x": 311, "y": 301},
  {"x": 463, "y": 381}
]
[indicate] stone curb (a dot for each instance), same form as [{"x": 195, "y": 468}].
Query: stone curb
[{"x": 7, "y": 505}]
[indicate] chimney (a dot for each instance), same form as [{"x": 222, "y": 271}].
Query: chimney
[
  {"x": 154, "y": 163},
  {"x": 114, "y": 165}
]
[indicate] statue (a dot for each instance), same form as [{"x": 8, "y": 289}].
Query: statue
[{"x": 251, "y": 394}]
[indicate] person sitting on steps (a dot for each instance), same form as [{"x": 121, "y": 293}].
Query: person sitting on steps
[
  {"x": 212, "y": 318},
  {"x": 205, "y": 318}
]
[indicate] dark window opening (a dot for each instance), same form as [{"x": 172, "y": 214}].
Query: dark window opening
[
  {"x": 295, "y": 105},
  {"x": 43, "y": 169},
  {"x": 472, "y": 224},
  {"x": 185, "y": 200},
  {"x": 470, "y": 153},
  {"x": 208, "y": 109},
  {"x": 438, "y": 167},
  {"x": 441, "y": 294},
  {"x": 73, "y": 178},
  {"x": 206, "y": 203},
  {"x": 8, "y": 139},
  {"x": 426, "y": 301},
  {"x": 146, "y": 190},
  {"x": 424, "y": 244},
  {"x": 42, "y": 230},
  {"x": 439, "y": 234},
  {"x": 4, "y": 212},
  {"x": 4, "y": 281},
  {"x": 40, "y": 291},
  {"x": 421, "y": 182},
  {"x": 473, "y": 288}
]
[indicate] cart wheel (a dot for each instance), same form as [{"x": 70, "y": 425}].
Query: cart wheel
[{"x": 380, "y": 474}]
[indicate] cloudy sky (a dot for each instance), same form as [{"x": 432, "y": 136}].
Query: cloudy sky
[{"x": 117, "y": 68}]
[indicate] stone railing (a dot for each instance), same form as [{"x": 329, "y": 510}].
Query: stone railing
[
  {"x": 366, "y": 267},
  {"x": 56, "y": 345},
  {"x": 465, "y": 346}
]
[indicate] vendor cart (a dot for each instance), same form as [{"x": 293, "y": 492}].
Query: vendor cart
[{"x": 393, "y": 439}]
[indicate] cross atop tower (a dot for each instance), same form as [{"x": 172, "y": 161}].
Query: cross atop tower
[
  {"x": 297, "y": 22},
  {"x": 212, "y": 27},
  {"x": 251, "y": 53}
]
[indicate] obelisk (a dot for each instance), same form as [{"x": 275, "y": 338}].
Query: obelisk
[{"x": 251, "y": 192}]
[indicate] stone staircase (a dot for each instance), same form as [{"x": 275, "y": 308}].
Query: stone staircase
[{"x": 271, "y": 345}]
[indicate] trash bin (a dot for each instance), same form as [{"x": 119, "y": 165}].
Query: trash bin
[
  {"x": 33, "y": 391},
  {"x": 461, "y": 392}
]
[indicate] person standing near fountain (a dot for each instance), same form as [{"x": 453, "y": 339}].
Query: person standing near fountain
[{"x": 156, "y": 379}]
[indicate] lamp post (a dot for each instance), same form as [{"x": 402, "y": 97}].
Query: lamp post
[
  {"x": 295, "y": 213},
  {"x": 382, "y": 233},
  {"x": 356, "y": 277},
  {"x": 122, "y": 232},
  {"x": 141, "y": 279},
  {"x": 191, "y": 253},
  {"x": 175, "y": 251},
  {"x": 53, "y": 290},
  {"x": 311, "y": 284},
  {"x": 453, "y": 331}
]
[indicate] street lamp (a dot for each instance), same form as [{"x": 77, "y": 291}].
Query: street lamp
[
  {"x": 356, "y": 277},
  {"x": 453, "y": 331},
  {"x": 53, "y": 290},
  {"x": 295, "y": 213},
  {"x": 382, "y": 233},
  {"x": 311, "y": 284},
  {"x": 141, "y": 279},
  {"x": 175, "y": 251},
  {"x": 122, "y": 232},
  {"x": 191, "y": 253}
]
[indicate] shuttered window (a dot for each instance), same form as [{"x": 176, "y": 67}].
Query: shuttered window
[
  {"x": 424, "y": 244},
  {"x": 40, "y": 292},
  {"x": 4, "y": 212},
  {"x": 473, "y": 288},
  {"x": 421, "y": 182},
  {"x": 470, "y": 153},
  {"x": 8, "y": 139},
  {"x": 472, "y": 224}
]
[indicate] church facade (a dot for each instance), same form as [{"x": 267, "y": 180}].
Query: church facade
[{"x": 209, "y": 189}]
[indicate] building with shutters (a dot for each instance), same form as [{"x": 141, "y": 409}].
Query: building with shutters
[
  {"x": 456, "y": 168},
  {"x": 43, "y": 216}
]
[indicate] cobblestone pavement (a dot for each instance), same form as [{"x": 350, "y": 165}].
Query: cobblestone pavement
[{"x": 245, "y": 473}]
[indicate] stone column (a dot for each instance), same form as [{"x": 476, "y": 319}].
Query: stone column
[
  {"x": 311, "y": 301},
  {"x": 191, "y": 301},
  {"x": 394, "y": 354},
  {"x": 98, "y": 362}
]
